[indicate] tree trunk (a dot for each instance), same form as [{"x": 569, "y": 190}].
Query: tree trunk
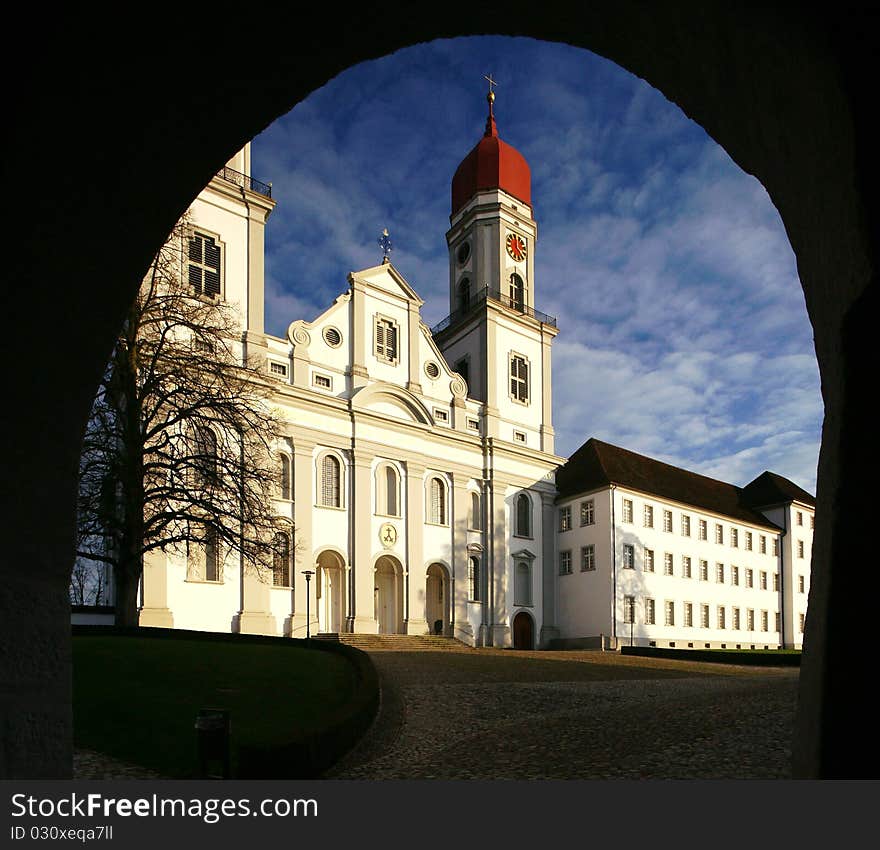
[{"x": 127, "y": 582}]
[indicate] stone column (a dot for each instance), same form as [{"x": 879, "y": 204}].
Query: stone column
[
  {"x": 415, "y": 566},
  {"x": 547, "y": 566},
  {"x": 303, "y": 507},
  {"x": 547, "y": 433},
  {"x": 255, "y": 618},
  {"x": 155, "y": 611},
  {"x": 363, "y": 618}
]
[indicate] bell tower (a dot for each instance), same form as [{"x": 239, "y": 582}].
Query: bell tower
[{"x": 494, "y": 336}]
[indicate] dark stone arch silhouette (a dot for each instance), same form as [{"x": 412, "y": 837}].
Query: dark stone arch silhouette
[{"x": 114, "y": 128}]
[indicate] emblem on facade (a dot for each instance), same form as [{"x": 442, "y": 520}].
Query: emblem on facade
[{"x": 387, "y": 535}]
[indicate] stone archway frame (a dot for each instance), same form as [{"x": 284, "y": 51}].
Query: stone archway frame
[
  {"x": 340, "y": 592},
  {"x": 398, "y": 589},
  {"x": 448, "y": 602},
  {"x": 797, "y": 114}
]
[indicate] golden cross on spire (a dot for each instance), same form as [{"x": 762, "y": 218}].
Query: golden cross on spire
[{"x": 491, "y": 82}]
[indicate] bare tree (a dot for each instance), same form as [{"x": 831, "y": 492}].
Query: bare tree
[{"x": 177, "y": 453}]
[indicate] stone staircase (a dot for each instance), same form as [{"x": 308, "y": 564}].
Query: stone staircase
[{"x": 402, "y": 643}]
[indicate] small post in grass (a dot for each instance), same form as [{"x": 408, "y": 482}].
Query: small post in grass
[
  {"x": 308, "y": 574},
  {"x": 212, "y": 742}
]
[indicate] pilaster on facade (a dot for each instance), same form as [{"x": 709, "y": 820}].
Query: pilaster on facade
[
  {"x": 155, "y": 611},
  {"x": 360, "y": 523},
  {"x": 549, "y": 628},
  {"x": 360, "y": 334}
]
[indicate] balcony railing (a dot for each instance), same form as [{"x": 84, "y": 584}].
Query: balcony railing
[
  {"x": 496, "y": 295},
  {"x": 230, "y": 175}
]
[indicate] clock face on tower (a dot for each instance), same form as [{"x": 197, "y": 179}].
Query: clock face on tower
[{"x": 516, "y": 247}]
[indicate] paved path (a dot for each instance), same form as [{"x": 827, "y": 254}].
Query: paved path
[{"x": 495, "y": 714}]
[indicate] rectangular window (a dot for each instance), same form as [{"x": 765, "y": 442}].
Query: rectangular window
[
  {"x": 519, "y": 378},
  {"x": 667, "y": 520},
  {"x": 703, "y": 530},
  {"x": 704, "y": 570},
  {"x": 719, "y": 573},
  {"x": 800, "y": 584},
  {"x": 801, "y": 619},
  {"x": 324, "y": 382},
  {"x": 588, "y": 512},
  {"x": 778, "y": 620},
  {"x": 734, "y": 575},
  {"x": 649, "y": 560},
  {"x": 688, "y": 614},
  {"x": 519, "y": 436},
  {"x": 685, "y": 525},
  {"x": 278, "y": 369},
  {"x": 204, "y": 265},
  {"x": 473, "y": 425},
  {"x": 763, "y": 545},
  {"x": 763, "y": 580},
  {"x": 649, "y": 611},
  {"x": 776, "y": 581},
  {"x": 629, "y": 556},
  {"x": 669, "y": 618},
  {"x": 588, "y": 558},
  {"x": 686, "y": 566},
  {"x": 811, "y": 526},
  {"x": 765, "y": 622},
  {"x": 734, "y": 538},
  {"x": 800, "y": 518},
  {"x": 565, "y": 563},
  {"x": 386, "y": 340},
  {"x": 750, "y": 620},
  {"x": 441, "y": 416},
  {"x": 776, "y": 546},
  {"x": 800, "y": 548},
  {"x": 649, "y": 516},
  {"x": 722, "y": 614},
  {"x": 749, "y": 578},
  {"x": 565, "y": 518},
  {"x": 629, "y": 609},
  {"x": 704, "y": 616},
  {"x": 719, "y": 533},
  {"x": 748, "y": 541},
  {"x": 667, "y": 564},
  {"x": 627, "y": 513},
  {"x": 735, "y": 619}
]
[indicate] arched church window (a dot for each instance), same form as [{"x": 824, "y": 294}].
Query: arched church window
[
  {"x": 522, "y": 585},
  {"x": 437, "y": 493},
  {"x": 474, "y": 578},
  {"x": 284, "y": 477},
  {"x": 523, "y": 516},
  {"x": 476, "y": 515},
  {"x": 281, "y": 560},
  {"x": 330, "y": 482},
  {"x": 517, "y": 292},
  {"x": 204, "y": 459},
  {"x": 387, "y": 490}
]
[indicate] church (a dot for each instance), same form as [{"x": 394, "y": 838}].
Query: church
[{"x": 417, "y": 466}]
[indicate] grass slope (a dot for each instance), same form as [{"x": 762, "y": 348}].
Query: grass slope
[{"x": 136, "y": 698}]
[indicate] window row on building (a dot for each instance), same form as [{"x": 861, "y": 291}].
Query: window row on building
[{"x": 699, "y": 615}]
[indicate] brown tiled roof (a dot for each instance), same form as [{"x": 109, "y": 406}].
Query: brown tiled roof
[
  {"x": 772, "y": 489},
  {"x": 596, "y": 464}
]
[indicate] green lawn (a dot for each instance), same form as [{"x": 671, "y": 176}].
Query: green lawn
[{"x": 136, "y": 698}]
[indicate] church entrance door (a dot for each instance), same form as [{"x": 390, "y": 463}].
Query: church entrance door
[
  {"x": 437, "y": 599},
  {"x": 389, "y": 599},
  {"x": 523, "y": 631},
  {"x": 329, "y": 592}
]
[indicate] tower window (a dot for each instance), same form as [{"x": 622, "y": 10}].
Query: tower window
[
  {"x": 464, "y": 294},
  {"x": 517, "y": 292},
  {"x": 204, "y": 265},
  {"x": 523, "y": 516},
  {"x": 519, "y": 378}
]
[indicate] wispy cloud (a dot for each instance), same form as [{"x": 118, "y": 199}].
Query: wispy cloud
[{"x": 669, "y": 268}]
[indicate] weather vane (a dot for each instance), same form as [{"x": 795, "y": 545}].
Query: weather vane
[{"x": 385, "y": 245}]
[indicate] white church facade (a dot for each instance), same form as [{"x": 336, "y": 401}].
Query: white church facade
[{"x": 418, "y": 470}]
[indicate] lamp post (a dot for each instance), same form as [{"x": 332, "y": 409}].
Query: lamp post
[{"x": 308, "y": 574}]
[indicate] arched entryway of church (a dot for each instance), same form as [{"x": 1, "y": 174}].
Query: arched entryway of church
[
  {"x": 437, "y": 597},
  {"x": 330, "y": 591},
  {"x": 523, "y": 631},
  {"x": 388, "y": 590}
]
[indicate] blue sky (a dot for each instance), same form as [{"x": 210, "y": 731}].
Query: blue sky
[{"x": 683, "y": 329}]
